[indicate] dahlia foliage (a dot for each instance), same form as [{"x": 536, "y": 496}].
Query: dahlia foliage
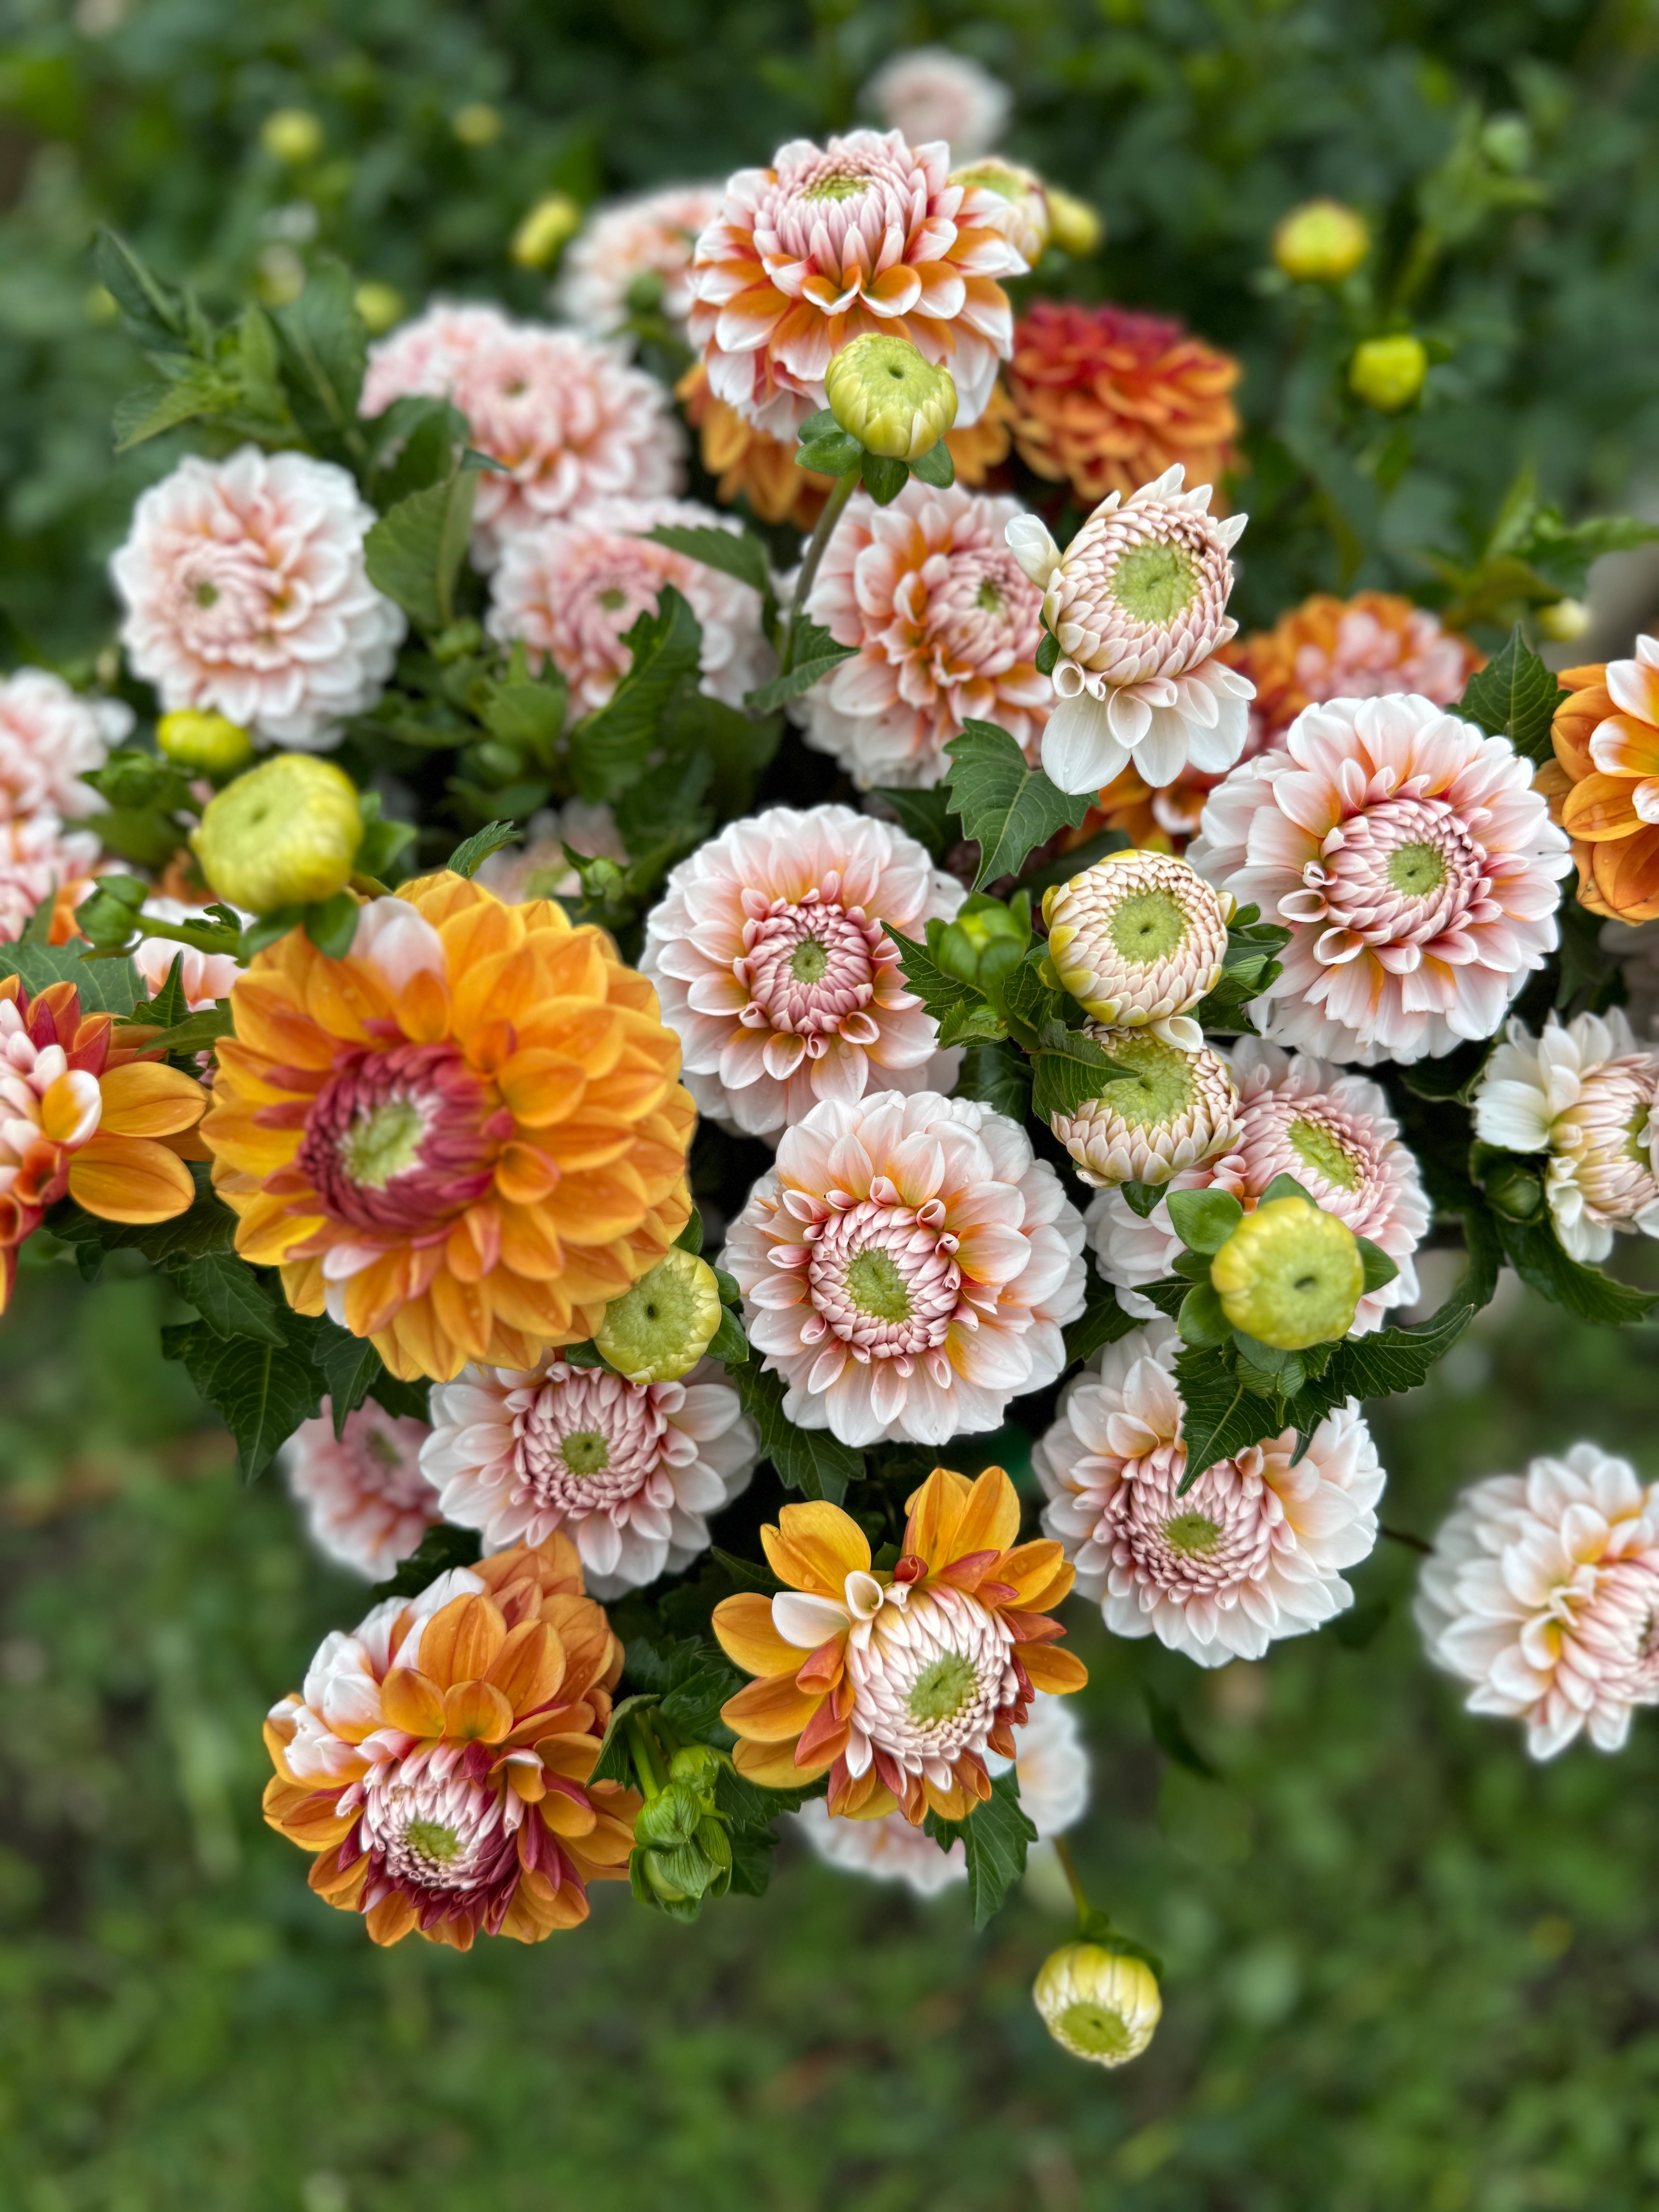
[{"x": 1095, "y": 1008}]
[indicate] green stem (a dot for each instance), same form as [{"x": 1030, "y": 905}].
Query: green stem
[
  {"x": 202, "y": 936},
  {"x": 1079, "y": 1895},
  {"x": 809, "y": 567},
  {"x": 639, "y": 1743}
]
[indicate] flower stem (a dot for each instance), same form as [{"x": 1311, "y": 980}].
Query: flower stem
[
  {"x": 644, "y": 1765},
  {"x": 1079, "y": 1895},
  {"x": 809, "y": 567},
  {"x": 1404, "y": 1536},
  {"x": 203, "y": 936}
]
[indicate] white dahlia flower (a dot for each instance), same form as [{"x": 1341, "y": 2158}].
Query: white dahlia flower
[
  {"x": 1177, "y": 1109},
  {"x": 930, "y": 93},
  {"x": 246, "y": 595},
  {"x": 1138, "y": 939},
  {"x": 641, "y": 246},
  {"x": 907, "y": 1268},
  {"x": 1254, "y": 1551},
  {"x": 52, "y": 736},
  {"x": 366, "y": 1502}
]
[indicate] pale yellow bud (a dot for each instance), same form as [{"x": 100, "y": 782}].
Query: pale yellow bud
[
  {"x": 883, "y": 392},
  {"x": 1565, "y": 621},
  {"x": 101, "y": 305},
  {"x": 1388, "y": 373},
  {"x": 292, "y": 135},
  {"x": 551, "y": 224},
  {"x": 1290, "y": 1275},
  {"x": 477, "y": 124},
  {"x": 660, "y": 1330},
  {"x": 1096, "y": 2003},
  {"x": 1073, "y": 226},
  {"x": 206, "y": 744},
  {"x": 380, "y": 305},
  {"x": 1320, "y": 242},
  {"x": 286, "y": 834}
]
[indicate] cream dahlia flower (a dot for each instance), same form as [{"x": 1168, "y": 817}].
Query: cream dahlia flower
[
  {"x": 931, "y": 93},
  {"x": 1542, "y": 1590},
  {"x": 42, "y": 862},
  {"x": 50, "y": 739},
  {"x": 569, "y": 420},
  {"x": 1416, "y": 869},
  {"x": 539, "y": 869},
  {"x": 1178, "y": 1109},
  {"x": 1585, "y": 1094},
  {"x": 246, "y": 595},
  {"x": 631, "y": 1472},
  {"x": 907, "y": 1268},
  {"x": 571, "y": 590},
  {"x": 1326, "y": 1126},
  {"x": 947, "y": 627},
  {"x": 769, "y": 954},
  {"x": 366, "y": 1502},
  {"x": 1137, "y": 604},
  {"x": 1138, "y": 940},
  {"x": 1252, "y": 1551},
  {"x": 865, "y": 234},
  {"x": 638, "y": 247}
]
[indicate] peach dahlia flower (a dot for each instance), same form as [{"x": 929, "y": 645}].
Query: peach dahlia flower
[
  {"x": 930, "y": 93},
  {"x": 1360, "y": 648},
  {"x": 366, "y": 1502},
  {"x": 640, "y": 245},
  {"x": 42, "y": 863},
  {"x": 1604, "y": 782},
  {"x": 50, "y": 739}
]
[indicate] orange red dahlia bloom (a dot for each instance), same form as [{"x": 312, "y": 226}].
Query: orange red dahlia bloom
[
  {"x": 1603, "y": 784},
  {"x": 896, "y": 1684},
  {"x": 462, "y": 1139},
  {"x": 439, "y": 1759}
]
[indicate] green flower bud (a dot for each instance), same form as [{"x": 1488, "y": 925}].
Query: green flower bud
[
  {"x": 1514, "y": 1191},
  {"x": 1563, "y": 621},
  {"x": 1073, "y": 226},
  {"x": 1290, "y": 1275},
  {"x": 380, "y": 305},
  {"x": 286, "y": 834},
  {"x": 1320, "y": 242},
  {"x": 292, "y": 135},
  {"x": 477, "y": 124},
  {"x": 205, "y": 744},
  {"x": 883, "y": 393},
  {"x": 1096, "y": 2003},
  {"x": 660, "y": 1330},
  {"x": 549, "y": 225},
  {"x": 670, "y": 1818},
  {"x": 1388, "y": 373}
]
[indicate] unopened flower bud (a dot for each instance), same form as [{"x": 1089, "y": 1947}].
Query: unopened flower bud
[
  {"x": 1177, "y": 1107},
  {"x": 285, "y": 833},
  {"x": 205, "y": 744},
  {"x": 550, "y": 224},
  {"x": 477, "y": 124},
  {"x": 380, "y": 305},
  {"x": 1320, "y": 242},
  {"x": 1097, "y": 2004},
  {"x": 292, "y": 135},
  {"x": 1563, "y": 621},
  {"x": 883, "y": 393},
  {"x": 1073, "y": 226},
  {"x": 1290, "y": 1275},
  {"x": 1388, "y": 373},
  {"x": 660, "y": 1330},
  {"x": 1515, "y": 1192}
]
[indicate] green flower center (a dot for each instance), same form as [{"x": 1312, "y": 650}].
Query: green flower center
[
  {"x": 988, "y": 598},
  {"x": 1155, "y": 583},
  {"x": 1095, "y": 2028},
  {"x": 840, "y": 185},
  {"x": 433, "y": 1840},
  {"x": 612, "y": 600},
  {"x": 1191, "y": 1533},
  {"x": 1147, "y": 925},
  {"x": 1323, "y": 1151},
  {"x": 382, "y": 1449},
  {"x": 877, "y": 1288},
  {"x": 207, "y": 595},
  {"x": 942, "y": 1689},
  {"x": 1416, "y": 870},
  {"x": 1159, "y": 1091},
  {"x": 1637, "y": 1138},
  {"x": 585, "y": 1453},
  {"x": 382, "y": 1144},
  {"x": 809, "y": 963}
]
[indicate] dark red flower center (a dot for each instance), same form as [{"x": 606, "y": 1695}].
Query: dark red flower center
[{"x": 403, "y": 1139}]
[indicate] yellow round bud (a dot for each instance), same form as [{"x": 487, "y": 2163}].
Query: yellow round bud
[
  {"x": 1096, "y": 2003},
  {"x": 883, "y": 392},
  {"x": 554, "y": 220},
  {"x": 1565, "y": 621},
  {"x": 1290, "y": 1275},
  {"x": 380, "y": 305},
  {"x": 1388, "y": 373},
  {"x": 1320, "y": 242},
  {"x": 477, "y": 124},
  {"x": 1073, "y": 226},
  {"x": 207, "y": 744},
  {"x": 660, "y": 1330},
  {"x": 101, "y": 305},
  {"x": 292, "y": 135},
  {"x": 285, "y": 833}
]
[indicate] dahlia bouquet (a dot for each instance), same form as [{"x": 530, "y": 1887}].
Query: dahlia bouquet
[{"x": 761, "y": 1096}]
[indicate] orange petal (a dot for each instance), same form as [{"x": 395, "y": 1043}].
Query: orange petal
[
  {"x": 411, "y": 1701},
  {"x": 476, "y": 1711},
  {"x": 1029, "y": 1569},
  {"x": 529, "y": 1667},
  {"x": 769, "y": 1711},
  {"x": 991, "y": 1520},
  {"x": 130, "y": 1179},
  {"x": 146, "y": 1099},
  {"x": 1052, "y": 1669},
  {"x": 1600, "y": 807},
  {"x": 743, "y": 1625},
  {"x": 772, "y": 1765},
  {"x": 568, "y": 1816},
  {"x": 816, "y": 1546},
  {"x": 935, "y": 1515},
  {"x": 458, "y": 1643}
]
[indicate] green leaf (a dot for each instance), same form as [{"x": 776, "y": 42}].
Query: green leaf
[
  {"x": 157, "y": 312},
  {"x": 1142, "y": 1198},
  {"x": 198, "y": 1032},
  {"x": 883, "y": 478},
  {"x": 230, "y": 1297},
  {"x": 938, "y": 989},
  {"x": 610, "y": 749},
  {"x": 830, "y": 455},
  {"x": 733, "y": 552},
  {"x": 927, "y": 815},
  {"x": 353, "y": 1371},
  {"x": 323, "y": 349},
  {"x": 1515, "y": 696},
  {"x": 1007, "y": 806},
  {"x": 169, "y": 1007},
  {"x": 995, "y": 1838},
  {"x": 1219, "y": 1417},
  {"x": 1204, "y": 1219},
  {"x": 1201, "y": 1321},
  {"x": 332, "y": 923},
  {"x": 816, "y": 653},
  {"x": 1379, "y": 1268},
  {"x": 1048, "y": 653},
  {"x": 1533, "y": 1251},
  {"x": 426, "y": 439},
  {"x": 261, "y": 1391},
  {"x": 440, "y": 1549},
  {"x": 935, "y": 467},
  {"x": 811, "y": 1461},
  {"x": 1068, "y": 1070},
  {"x": 469, "y": 856},
  {"x": 107, "y": 986},
  {"x": 1170, "y": 1734},
  {"x": 729, "y": 1344},
  {"x": 1102, "y": 1321},
  {"x": 154, "y": 408},
  {"x": 998, "y": 1075},
  {"x": 414, "y": 552}
]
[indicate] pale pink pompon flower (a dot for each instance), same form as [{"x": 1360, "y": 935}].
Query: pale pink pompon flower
[
  {"x": 634, "y": 246},
  {"x": 1416, "y": 867},
  {"x": 367, "y": 1504},
  {"x": 39, "y": 858},
  {"x": 947, "y": 626},
  {"x": 568, "y": 418},
  {"x": 770, "y": 957},
  {"x": 931, "y": 93},
  {"x": 906, "y": 1268},
  {"x": 203, "y": 977},
  {"x": 247, "y": 596},
  {"x": 571, "y": 590},
  {"x": 865, "y": 234},
  {"x": 1541, "y": 1590},
  {"x": 631, "y": 1472},
  {"x": 1252, "y": 1551},
  {"x": 50, "y": 737}
]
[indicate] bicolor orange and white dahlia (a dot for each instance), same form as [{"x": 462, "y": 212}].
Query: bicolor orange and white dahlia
[
  {"x": 437, "y": 1761},
  {"x": 897, "y": 1685},
  {"x": 1603, "y": 783},
  {"x": 866, "y": 234},
  {"x": 461, "y": 1140}
]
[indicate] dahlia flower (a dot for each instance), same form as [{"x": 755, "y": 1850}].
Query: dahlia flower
[
  {"x": 205, "y": 977},
  {"x": 1104, "y": 400},
  {"x": 1604, "y": 782},
  {"x": 1329, "y": 1128},
  {"x": 538, "y": 869},
  {"x": 635, "y": 246},
  {"x": 1541, "y": 1590},
  {"x": 42, "y": 864},
  {"x": 865, "y": 234},
  {"x": 1051, "y": 1769},
  {"x": 246, "y": 595},
  {"x": 1417, "y": 868},
  {"x": 461, "y": 1140},
  {"x": 1252, "y": 1551},
  {"x": 50, "y": 739},
  {"x": 1100, "y": 2005},
  {"x": 437, "y": 1762},
  {"x": 1585, "y": 1094},
  {"x": 1359, "y": 648},
  {"x": 1021, "y": 213},
  {"x": 897, "y": 1685},
  {"x": 931, "y": 93},
  {"x": 630, "y": 1471},
  {"x": 567, "y": 417},
  {"x": 1138, "y": 605},
  {"x": 366, "y": 1502},
  {"x": 1138, "y": 940},
  {"x": 907, "y": 1268},
  {"x": 769, "y": 951},
  {"x": 947, "y": 626},
  {"x": 571, "y": 590},
  {"x": 1176, "y": 1110}
]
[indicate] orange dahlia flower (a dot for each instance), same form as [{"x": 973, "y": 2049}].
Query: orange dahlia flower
[
  {"x": 1356, "y": 649},
  {"x": 1106, "y": 400},
  {"x": 438, "y": 1759},
  {"x": 897, "y": 1684},
  {"x": 463, "y": 1139},
  {"x": 746, "y": 463},
  {"x": 1603, "y": 784}
]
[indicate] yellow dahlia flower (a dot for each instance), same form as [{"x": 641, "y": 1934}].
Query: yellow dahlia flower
[{"x": 463, "y": 1139}]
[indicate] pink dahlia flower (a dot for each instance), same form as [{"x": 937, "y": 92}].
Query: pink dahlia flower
[
  {"x": 931, "y": 93},
  {"x": 1542, "y": 1589},
  {"x": 1326, "y": 1126},
  {"x": 246, "y": 595},
  {"x": 631, "y": 1472},
  {"x": 50, "y": 739},
  {"x": 1252, "y": 1551},
  {"x": 865, "y": 234},
  {"x": 1417, "y": 868},
  {"x": 205, "y": 977},
  {"x": 538, "y": 868},
  {"x": 571, "y": 590},
  {"x": 947, "y": 625},
  {"x": 771, "y": 957},
  {"x": 907, "y": 1268},
  {"x": 633, "y": 246},
  {"x": 366, "y": 1502},
  {"x": 38, "y": 859},
  {"x": 569, "y": 420}
]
